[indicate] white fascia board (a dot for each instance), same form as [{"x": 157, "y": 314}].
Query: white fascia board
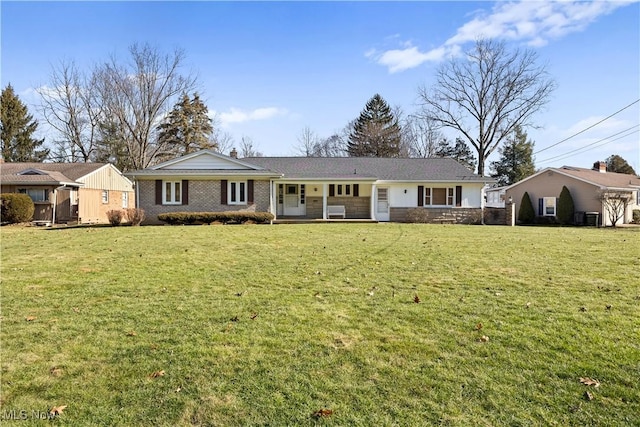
[{"x": 205, "y": 152}]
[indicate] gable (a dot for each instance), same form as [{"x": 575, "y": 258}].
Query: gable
[{"x": 204, "y": 160}]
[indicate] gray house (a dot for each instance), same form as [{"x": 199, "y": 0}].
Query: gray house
[{"x": 312, "y": 188}]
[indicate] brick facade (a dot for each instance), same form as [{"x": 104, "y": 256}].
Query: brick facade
[
  {"x": 435, "y": 215},
  {"x": 204, "y": 196}
]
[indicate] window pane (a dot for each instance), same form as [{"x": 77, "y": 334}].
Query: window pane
[
  {"x": 176, "y": 194},
  {"x": 340, "y": 190},
  {"x": 449, "y": 196},
  {"x": 439, "y": 196},
  {"x": 233, "y": 192},
  {"x": 168, "y": 192},
  {"x": 241, "y": 198},
  {"x": 347, "y": 190},
  {"x": 427, "y": 196}
]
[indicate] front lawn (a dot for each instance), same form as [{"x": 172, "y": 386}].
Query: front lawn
[{"x": 329, "y": 324}]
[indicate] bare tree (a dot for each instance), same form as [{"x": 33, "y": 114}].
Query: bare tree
[
  {"x": 71, "y": 107},
  {"x": 247, "y": 149},
  {"x": 422, "y": 136},
  {"x": 486, "y": 94},
  {"x": 307, "y": 143},
  {"x": 139, "y": 94},
  {"x": 614, "y": 203}
]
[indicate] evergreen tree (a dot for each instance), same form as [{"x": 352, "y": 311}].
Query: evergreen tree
[
  {"x": 459, "y": 151},
  {"x": 187, "y": 128},
  {"x": 376, "y": 132},
  {"x": 17, "y": 127},
  {"x": 526, "y": 214},
  {"x": 565, "y": 207},
  {"x": 111, "y": 147},
  {"x": 516, "y": 159},
  {"x": 617, "y": 164}
]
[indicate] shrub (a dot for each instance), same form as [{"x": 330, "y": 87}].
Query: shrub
[
  {"x": 636, "y": 216},
  {"x": 565, "y": 207},
  {"x": 16, "y": 208},
  {"x": 526, "y": 214},
  {"x": 115, "y": 217},
  {"x": 182, "y": 218},
  {"x": 135, "y": 215},
  {"x": 418, "y": 215}
]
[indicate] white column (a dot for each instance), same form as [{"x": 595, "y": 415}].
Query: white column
[
  {"x": 325, "y": 190},
  {"x": 373, "y": 201}
]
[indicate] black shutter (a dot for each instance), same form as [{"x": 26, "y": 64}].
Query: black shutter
[
  {"x": 420, "y": 195},
  {"x": 250, "y": 191},
  {"x": 223, "y": 192},
  {"x": 185, "y": 192},
  {"x": 158, "y": 191},
  {"x": 356, "y": 190},
  {"x": 458, "y": 195},
  {"x": 332, "y": 190},
  {"x": 540, "y": 207}
]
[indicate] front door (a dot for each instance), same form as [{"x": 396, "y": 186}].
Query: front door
[
  {"x": 382, "y": 204},
  {"x": 294, "y": 200}
]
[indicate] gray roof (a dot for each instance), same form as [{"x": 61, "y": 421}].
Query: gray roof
[
  {"x": 55, "y": 172},
  {"x": 368, "y": 168}
]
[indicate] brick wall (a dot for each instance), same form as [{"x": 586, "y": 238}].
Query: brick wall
[{"x": 204, "y": 196}]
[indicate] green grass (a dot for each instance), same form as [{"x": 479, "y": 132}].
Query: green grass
[{"x": 265, "y": 325}]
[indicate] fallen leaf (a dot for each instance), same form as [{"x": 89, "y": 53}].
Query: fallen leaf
[
  {"x": 588, "y": 381},
  {"x": 484, "y": 338},
  {"x": 416, "y": 299},
  {"x": 30, "y": 318},
  {"x": 324, "y": 412},
  {"x": 157, "y": 374},
  {"x": 235, "y": 319},
  {"x": 178, "y": 389},
  {"x": 131, "y": 334},
  {"x": 528, "y": 305},
  {"x": 608, "y": 307},
  {"x": 55, "y": 371},
  {"x": 57, "y": 410},
  {"x": 478, "y": 326},
  {"x": 588, "y": 396},
  {"x": 254, "y": 315},
  {"x": 583, "y": 308}
]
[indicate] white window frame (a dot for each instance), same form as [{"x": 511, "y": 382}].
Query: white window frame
[
  {"x": 450, "y": 196},
  {"x": 125, "y": 199},
  {"x": 237, "y": 192},
  {"x": 170, "y": 198},
  {"x": 546, "y": 205},
  {"x": 105, "y": 197}
]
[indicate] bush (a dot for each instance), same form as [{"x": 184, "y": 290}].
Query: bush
[
  {"x": 182, "y": 218},
  {"x": 526, "y": 214},
  {"x": 565, "y": 207},
  {"x": 135, "y": 215},
  {"x": 115, "y": 217},
  {"x": 636, "y": 216},
  {"x": 16, "y": 208},
  {"x": 418, "y": 215}
]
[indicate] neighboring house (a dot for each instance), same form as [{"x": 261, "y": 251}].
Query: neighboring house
[
  {"x": 495, "y": 197},
  {"x": 69, "y": 192},
  {"x": 586, "y": 187},
  {"x": 378, "y": 189}
]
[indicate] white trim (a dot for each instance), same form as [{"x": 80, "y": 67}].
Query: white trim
[
  {"x": 173, "y": 200},
  {"x": 201, "y": 153}
]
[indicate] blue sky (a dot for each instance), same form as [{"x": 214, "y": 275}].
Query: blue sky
[{"x": 269, "y": 69}]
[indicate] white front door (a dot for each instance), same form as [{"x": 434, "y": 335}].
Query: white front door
[
  {"x": 294, "y": 201},
  {"x": 382, "y": 204}
]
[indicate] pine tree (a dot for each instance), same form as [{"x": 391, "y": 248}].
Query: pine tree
[
  {"x": 187, "y": 128},
  {"x": 617, "y": 164},
  {"x": 376, "y": 132},
  {"x": 526, "y": 214},
  {"x": 17, "y": 128},
  {"x": 565, "y": 207},
  {"x": 111, "y": 147},
  {"x": 459, "y": 151},
  {"x": 516, "y": 159}
]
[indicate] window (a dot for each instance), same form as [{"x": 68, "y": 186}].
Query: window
[
  {"x": 439, "y": 196},
  {"x": 105, "y": 196},
  {"x": 36, "y": 194},
  {"x": 344, "y": 190},
  {"x": 238, "y": 192},
  {"x": 549, "y": 204},
  {"x": 125, "y": 199},
  {"x": 172, "y": 192}
]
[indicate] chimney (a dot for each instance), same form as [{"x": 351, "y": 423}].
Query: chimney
[
  {"x": 233, "y": 153},
  {"x": 602, "y": 167}
]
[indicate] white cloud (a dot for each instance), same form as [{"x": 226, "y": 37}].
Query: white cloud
[
  {"x": 237, "y": 115},
  {"x": 533, "y": 23}
]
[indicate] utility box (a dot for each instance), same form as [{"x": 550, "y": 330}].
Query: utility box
[{"x": 591, "y": 218}]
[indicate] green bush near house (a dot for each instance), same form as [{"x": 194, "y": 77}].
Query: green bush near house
[
  {"x": 566, "y": 207},
  {"x": 526, "y": 214},
  {"x": 16, "y": 208},
  {"x": 184, "y": 218}
]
